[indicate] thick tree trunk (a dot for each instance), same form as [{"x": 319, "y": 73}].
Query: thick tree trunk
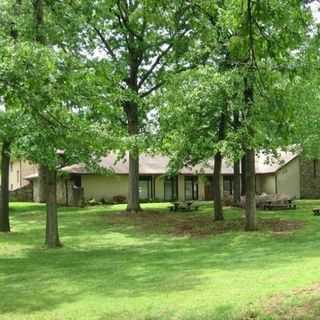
[
  {"x": 217, "y": 198},
  {"x": 52, "y": 233},
  {"x": 251, "y": 223},
  {"x": 243, "y": 176},
  {"x": 236, "y": 184},
  {"x": 4, "y": 193},
  {"x": 133, "y": 186}
]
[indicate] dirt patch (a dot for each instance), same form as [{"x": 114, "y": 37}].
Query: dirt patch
[
  {"x": 195, "y": 225},
  {"x": 300, "y": 304}
]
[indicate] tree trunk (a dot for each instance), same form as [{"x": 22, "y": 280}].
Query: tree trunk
[
  {"x": 217, "y": 198},
  {"x": 52, "y": 233},
  {"x": 43, "y": 192},
  {"x": 236, "y": 184},
  {"x": 4, "y": 199},
  {"x": 133, "y": 186},
  {"x": 251, "y": 223},
  {"x": 243, "y": 176}
]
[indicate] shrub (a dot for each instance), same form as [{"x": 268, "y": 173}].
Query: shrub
[
  {"x": 119, "y": 199},
  {"x": 104, "y": 201},
  {"x": 227, "y": 199}
]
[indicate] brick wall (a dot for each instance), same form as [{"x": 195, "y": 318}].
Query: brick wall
[{"x": 310, "y": 178}]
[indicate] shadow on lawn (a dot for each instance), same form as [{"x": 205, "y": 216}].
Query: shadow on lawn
[{"x": 130, "y": 264}]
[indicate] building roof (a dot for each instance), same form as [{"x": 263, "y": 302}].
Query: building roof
[{"x": 158, "y": 165}]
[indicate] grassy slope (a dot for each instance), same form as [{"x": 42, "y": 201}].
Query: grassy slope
[{"x": 116, "y": 271}]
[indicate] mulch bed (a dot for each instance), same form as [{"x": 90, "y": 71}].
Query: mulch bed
[{"x": 195, "y": 225}]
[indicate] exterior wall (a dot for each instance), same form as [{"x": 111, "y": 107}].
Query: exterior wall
[
  {"x": 36, "y": 190},
  {"x": 310, "y": 178},
  {"x": 266, "y": 184},
  {"x": 104, "y": 187},
  {"x": 288, "y": 179},
  {"x": 18, "y": 170}
]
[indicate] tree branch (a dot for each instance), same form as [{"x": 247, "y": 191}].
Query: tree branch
[
  {"x": 152, "y": 89},
  {"x": 106, "y": 43},
  {"x": 146, "y": 75}
]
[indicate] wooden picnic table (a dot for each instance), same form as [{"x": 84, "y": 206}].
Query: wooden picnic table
[
  {"x": 269, "y": 205},
  {"x": 183, "y": 206},
  {"x": 316, "y": 211}
]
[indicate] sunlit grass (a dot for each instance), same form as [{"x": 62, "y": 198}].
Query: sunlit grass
[{"x": 121, "y": 271}]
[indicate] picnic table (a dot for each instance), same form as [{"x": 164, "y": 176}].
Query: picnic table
[
  {"x": 183, "y": 206},
  {"x": 316, "y": 211},
  {"x": 276, "y": 205}
]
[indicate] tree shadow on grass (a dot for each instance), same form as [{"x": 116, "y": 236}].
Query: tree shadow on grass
[{"x": 119, "y": 262}]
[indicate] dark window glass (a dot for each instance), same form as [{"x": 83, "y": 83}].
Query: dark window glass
[
  {"x": 145, "y": 188},
  {"x": 191, "y": 188},
  {"x": 76, "y": 179},
  {"x": 170, "y": 188},
  {"x": 227, "y": 184}
]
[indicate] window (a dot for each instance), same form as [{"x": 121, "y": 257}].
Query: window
[
  {"x": 18, "y": 176},
  {"x": 145, "y": 188},
  {"x": 228, "y": 184},
  {"x": 191, "y": 188},
  {"x": 11, "y": 166},
  {"x": 170, "y": 188},
  {"x": 11, "y": 187},
  {"x": 76, "y": 179}
]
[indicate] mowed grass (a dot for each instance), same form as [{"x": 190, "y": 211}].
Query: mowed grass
[{"x": 147, "y": 268}]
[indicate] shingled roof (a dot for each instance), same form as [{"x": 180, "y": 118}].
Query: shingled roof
[{"x": 158, "y": 165}]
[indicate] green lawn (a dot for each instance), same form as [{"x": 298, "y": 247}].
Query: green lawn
[{"x": 160, "y": 266}]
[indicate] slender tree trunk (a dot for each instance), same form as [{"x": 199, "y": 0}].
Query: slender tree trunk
[
  {"x": 217, "y": 197},
  {"x": 251, "y": 223},
  {"x": 133, "y": 185},
  {"x": 43, "y": 172},
  {"x": 52, "y": 233},
  {"x": 243, "y": 176},
  {"x": 236, "y": 184},
  {"x": 47, "y": 177},
  {"x": 4, "y": 198}
]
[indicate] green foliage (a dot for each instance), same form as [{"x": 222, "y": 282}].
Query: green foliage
[
  {"x": 191, "y": 108},
  {"x": 268, "y": 55}
]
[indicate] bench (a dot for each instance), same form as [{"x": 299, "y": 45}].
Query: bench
[{"x": 316, "y": 211}]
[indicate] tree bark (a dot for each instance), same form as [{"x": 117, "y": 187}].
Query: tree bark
[
  {"x": 133, "y": 186},
  {"x": 250, "y": 174},
  {"x": 4, "y": 198},
  {"x": 243, "y": 176},
  {"x": 217, "y": 198},
  {"x": 52, "y": 233},
  {"x": 251, "y": 223},
  {"x": 47, "y": 176},
  {"x": 43, "y": 192},
  {"x": 236, "y": 184}
]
